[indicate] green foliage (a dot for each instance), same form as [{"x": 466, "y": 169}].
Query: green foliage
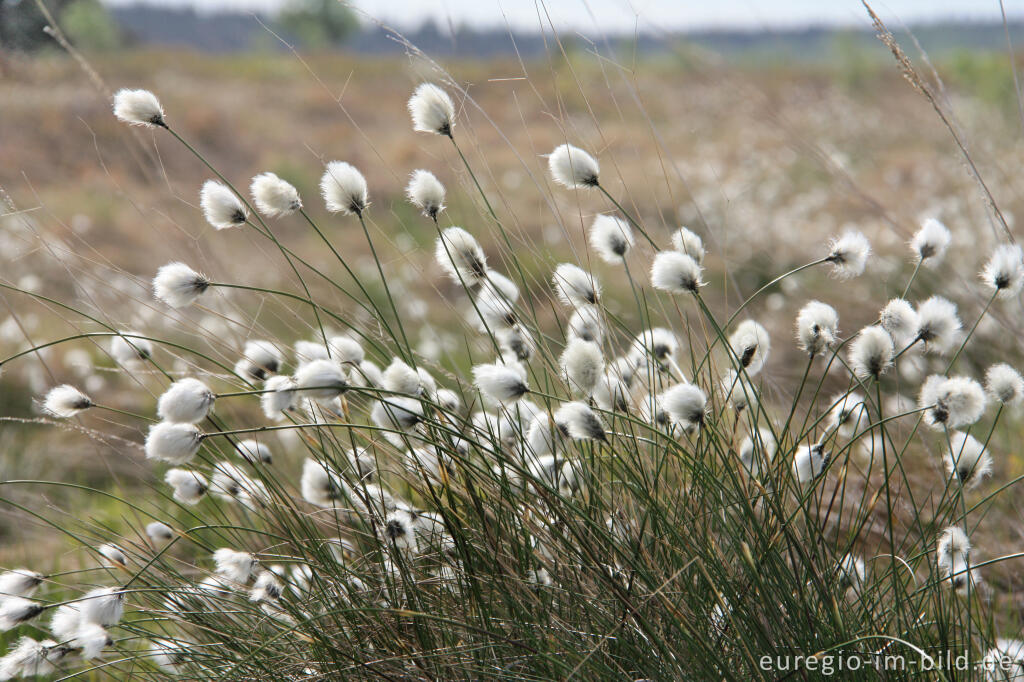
[
  {"x": 318, "y": 23},
  {"x": 89, "y": 26},
  {"x": 987, "y": 76}
]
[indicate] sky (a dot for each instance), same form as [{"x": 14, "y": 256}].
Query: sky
[{"x": 627, "y": 15}]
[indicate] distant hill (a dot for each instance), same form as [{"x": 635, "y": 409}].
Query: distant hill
[{"x": 236, "y": 31}]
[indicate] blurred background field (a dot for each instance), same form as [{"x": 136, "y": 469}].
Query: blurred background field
[{"x": 766, "y": 143}]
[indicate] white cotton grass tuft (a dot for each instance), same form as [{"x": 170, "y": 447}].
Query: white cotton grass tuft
[
  {"x": 582, "y": 364},
  {"x": 280, "y": 394},
  {"x": 320, "y": 485},
  {"x": 19, "y": 582},
  {"x": 676, "y": 273},
  {"x": 426, "y": 193},
  {"x": 189, "y": 486},
  {"x": 871, "y": 352},
  {"x": 757, "y": 451},
  {"x": 852, "y": 573},
  {"x": 750, "y": 346},
  {"x": 32, "y": 658},
  {"x": 138, "y": 108},
  {"x": 967, "y": 461},
  {"x": 574, "y": 286},
  {"x": 186, "y": 401},
  {"x": 952, "y": 402},
  {"x": 273, "y": 196},
  {"x": 739, "y": 392},
  {"x": 579, "y": 422},
  {"x": 848, "y": 254},
  {"x": 1004, "y": 384},
  {"x": 460, "y": 256},
  {"x": 400, "y": 531},
  {"x": 401, "y": 378},
  {"x": 848, "y": 414},
  {"x": 253, "y": 450},
  {"x": 686, "y": 241},
  {"x": 937, "y": 324},
  {"x": 499, "y": 382},
  {"x": 809, "y": 462},
  {"x": 173, "y": 443},
  {"x": 900, "y": 319},
  {"x": 1004, "y": 270},
  {"x": 260, "y": 359},
  {"x": 930, "y": 242},
  {"x": 16, "y": 610},
  {"x": 432, "y": 110},
  {"x": 612, "y": 238},
  {"x": 66, "y": 401},
  {"x": 344, "y": 189},
  {"x": 127, "y": 348},
  {"x": 952, "y": 554},
  {"x": 817, "y": 327},
  {"x": 159, "y": 533},
  {"x": 113, "y": 554},
  {"x": 347, "y": 350},
  {"x": 234, "y": 565},
  {"x": 178, "y": 285},
  {"x": 221, "y": 207},
  {"x": 587, "y": 324},
  {"x": 321, "y": 380},
  {"x": 659, "y": 345},
  {"x": 572, "y": 167},
  {"x": 685, "y": 404}
]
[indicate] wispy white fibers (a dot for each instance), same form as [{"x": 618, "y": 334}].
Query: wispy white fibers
[
  {"x": 849, "y": 414},
  {"x": 234, "y": 565},
  {"x": 809, "y": 462},
  {"x": 66, "y": 401},
  {"x": 432, "y": 110},
  {"x": 503, "y": 383},
  {"x": 849, "y": 254},
  {"x": 186, "y": 401},
  {"x": 189, "y": 486},
  {"x": 757, "y": 451},
  {"x": 579, "y": 421},
  {"x": 657, "y": 345},
  {"x": 967, "y": 461},
  {"x": 952, "y": 554},
  {"x": 938, "y": 324},
  {"x": 583, "y": 365},
  {"x": 254, "y": 451},
  {"x": 951, "y": 403},
  {"x": 930, "y": 242},
  {"x": 321, "y": 380},
  {"x": 750, "y": 344},
  {"x": 16, "y": 610},
  {"x": 401, "y": 378},
  {"x": 1004, "y": 271},
  {"x": 899, "y": 318},
  {"x": 586, "y": 323},
  {"x": 19, "y": 582},
  {"x": 347, "y": 350},
  {"x": 574, "y": 286},
  {"x": 138, "y": 107},
  {"x": 460, "y": 256},
  {"x": 127, "y": 348},
  {"x": 738, "y": 390},
  {"x": 173, "y": 443},
  {"x": 573, "y": 167},
  {"x": 344, "y": 189},
  {"x": 685, "y": 404},
  {"x": 280, "y": 395},
  {"x": 685, "y": 241},
  {"x": 676, "y": 273},
  {"x": 259, "y": 359},
  {"x": 871, "y": 352},
  {"x": 611, "y": 237},
  {"x": 178, "y": 285},
  {"x": 321, "y": 486},
  {"x": 113, "y": 554},
  {"x": 31, "y": 658},
  {"x": 426, "y": 193},
  {"x": 1004, "y": 384},
  {"x": 273, "y": 196},
  {"x": 221, "y": 207},
  {"x": 159, "y": 533},
  {"x": 817, "y": 327}
]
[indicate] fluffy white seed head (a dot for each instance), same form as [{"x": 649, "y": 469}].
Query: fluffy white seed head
[
  {"x": 460, "y": 256},
  {"x": 817, "y": 327},
  {"x": 31, "y": 658},
  {"x": 849, "y": 414},
  {"x": 221, "y": 207},
  {"x": 1004, "y": 271},
  {"x": 347, "y": 350},
  {"x": 685, "y": 241},
  {"x": 178, "y": 285},
  {"x": 503, "y": 383},
  {"x": 515, "y": 342},
  {"x": 128, "y": 348},
  {"x": 90, "y": 639},
  {"x": 173, "y": 443},
  {"x": 138, "y": 108},
  {"x": 579, "y": 422},
  {"x": 657, "y": 345},
  {"x": 1004, "y": 384},
  {"x": 899, "y": 318},
  {"x": 66, "y": 401},
  {"x": 397, "y": 413},
  {"x": 16, "y": 610},
  {"x": 871, "y": 352},
  {"x": 113, "y": 554},
  {"x": 849, "y": 254},
  {"x": 253, "y": 450},
  {"x": 611, "y": 237},
  {"x": 281, "y": 394},
  {"x": 432, "y": 110},
  {"x": 262, "y": 358},
  {"x": 967, "y": 461},
  {"x": 273, "y": 196},
  {"x": 750, "y": 346},
  {"x": 102, "y": 606},
  {"x": 234, "y": 565},
  {"x": 937, "y": 324},
  {"x": 401, "y": 378},
  {"x": 189, "y": 486},
  {"x": 930, "y": 242},
  {"x": 685, "y": 404},
  {"x": 757, "y": 451},
  {"x": 321, "y": 380},
  {"x": 159, "y": 533},
  {"x": 400, "y": 531},
  {"x": 426, "y": 193},
  {"x": 574, "y": 286},
  {"x": 573, "y": 167},
  {"x": 344, "y": 189},
  {"x": 320, "y": 485},
  {"x": 809, "y": 462},
  {"x": 583, "y": 365},
  {"x": 586, "y": 324},
  {"x": 20, "y": 582},
  {"x": 186, "y": 401},
  {"x": 266, "y": 588},
  {"x": 952, "y": 554},
  {"x": 951, "y": 403},
  {"x": 676, "y": 273},
  {"x": 739, "y": 391},
  {"x": 852, "y": 572}
]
